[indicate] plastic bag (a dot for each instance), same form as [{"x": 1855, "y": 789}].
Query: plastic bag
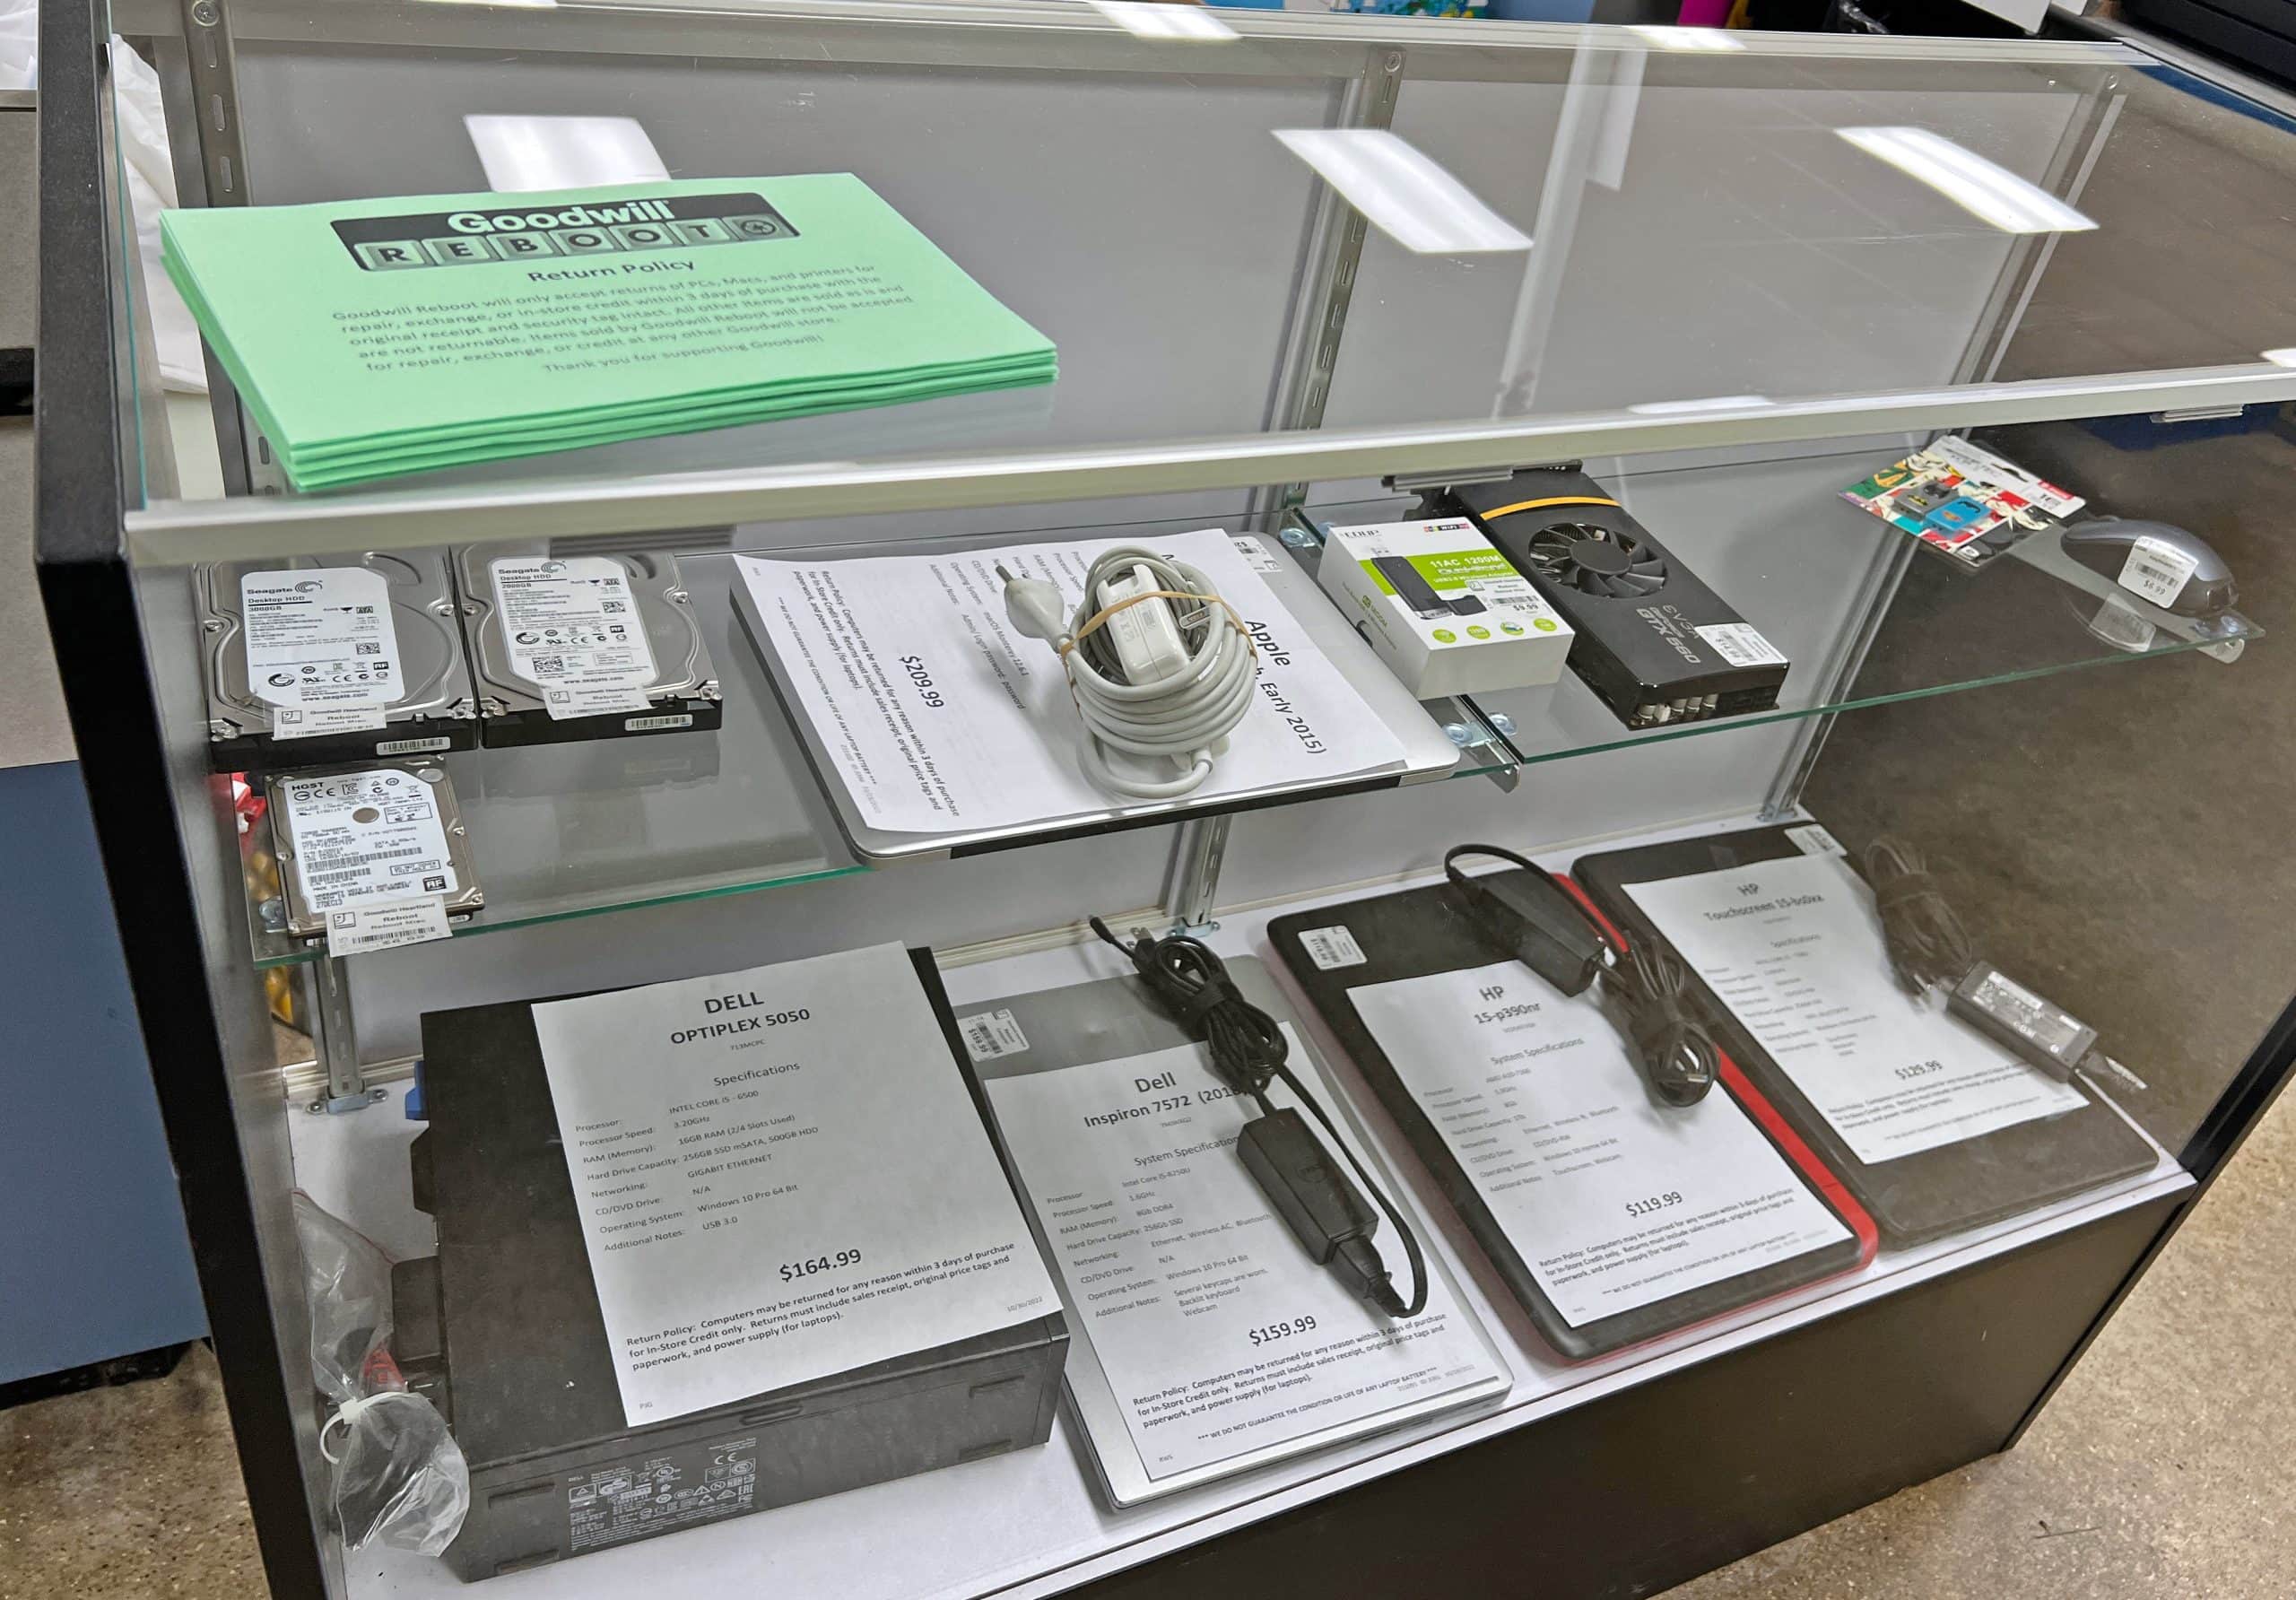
[{"x": 399, "y": 1478}]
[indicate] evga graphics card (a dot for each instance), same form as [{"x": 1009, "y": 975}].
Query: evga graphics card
[{"x": 1655, "y": 644}]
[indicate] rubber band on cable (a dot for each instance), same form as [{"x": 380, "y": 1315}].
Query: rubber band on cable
[{"x": 1099, "y": 618}]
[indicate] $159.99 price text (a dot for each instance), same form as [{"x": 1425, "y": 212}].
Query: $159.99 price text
[{"x": 1303, "y": 1323}]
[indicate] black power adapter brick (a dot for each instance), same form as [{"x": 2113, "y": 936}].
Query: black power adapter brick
[
  {"x": 1528, "y": 915},
  {"x": 1327, "y": 1213},
  {"x": 1309, "y": 1189}
]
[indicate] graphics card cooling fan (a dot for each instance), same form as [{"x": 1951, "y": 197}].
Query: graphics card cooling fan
[{"x": 1595, "y": 560}]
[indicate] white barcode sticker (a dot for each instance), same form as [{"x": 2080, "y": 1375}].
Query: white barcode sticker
[
  {"x": 358, "y": 929},
  {"x": 2123, "y": 626},
  {"x": 1741, "y": 644},
  {"x": 2156, "y": 570},
  {"x": 1812, "y": 839},
  {"x": 362, "y": 839},
  {"x": 414, "y": 746},
  {"x": 1330, "y": 947},
  {"x": 1256, "y": 555},
  {"x": 647, "y": 724},
  {"x": 991, "y": 1034}
]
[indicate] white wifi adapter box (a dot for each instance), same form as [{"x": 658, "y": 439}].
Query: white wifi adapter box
[{"x": 1445, "y": 611}]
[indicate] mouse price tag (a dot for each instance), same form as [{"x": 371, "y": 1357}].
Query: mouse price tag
[{"x": 2156, "y": 570}]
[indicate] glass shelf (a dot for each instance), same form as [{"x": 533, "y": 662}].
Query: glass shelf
[
  {"x": 562, "y": 831},
  {"x": 1711, "y": 260}
]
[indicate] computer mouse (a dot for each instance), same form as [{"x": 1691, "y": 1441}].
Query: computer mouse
[{"x": 2172, "y": 567}]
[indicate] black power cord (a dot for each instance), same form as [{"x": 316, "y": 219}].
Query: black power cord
[
  {"x": 1930, "y": 949},
  {"x": 1926, "y": 941},
  {"x": 1647, "y": 987},
  {"x": 1250, "y": 1052}
]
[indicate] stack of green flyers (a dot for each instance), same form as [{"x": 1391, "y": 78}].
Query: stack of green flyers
[{"x": 372, "y": 337}]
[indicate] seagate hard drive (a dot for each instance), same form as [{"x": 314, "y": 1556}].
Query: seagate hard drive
[
  {"x": 309, "y": 660},
  {"x": 584, "y": 645}
]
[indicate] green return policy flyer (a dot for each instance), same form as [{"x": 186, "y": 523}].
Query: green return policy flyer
[{"x": 372, "y": 337}]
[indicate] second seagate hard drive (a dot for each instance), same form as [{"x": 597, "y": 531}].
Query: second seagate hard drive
[{"x": 581, "y": 646}]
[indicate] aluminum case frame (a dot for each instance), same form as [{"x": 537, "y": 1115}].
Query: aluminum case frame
[{"x": 1635, "y": 1490}]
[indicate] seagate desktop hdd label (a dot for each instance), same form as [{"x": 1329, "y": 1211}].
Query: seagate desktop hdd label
[{"x": 320, "y": 648}]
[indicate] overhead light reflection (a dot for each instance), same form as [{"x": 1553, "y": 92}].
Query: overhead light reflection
[
  {"x": 1402, "y": 193},
  {"x": 2282, "y": 358},
  {"x": 1665, "y": 408},
  {"x": 1991, "y": 194},
  {"x": 1668, "y": 37},
  {"x": 1152, "y": 21},
  {"x": 522, "y": 154}
]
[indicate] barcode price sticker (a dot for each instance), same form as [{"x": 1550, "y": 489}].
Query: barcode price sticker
[
  {"x": 1258, "y": 556},
  {"x": 358, "y": 930},
  {"x": 1741, "y": 644},
  {"x": 2156, "y": 570},
  {"x": 1331, "y": 947},
  {"x": 990, "y": 1034},
  {"x": 1813, "y": 840}
]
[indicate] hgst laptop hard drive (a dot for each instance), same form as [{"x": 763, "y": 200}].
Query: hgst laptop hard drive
[
  {"x": 581, "y": 646},
  {"x": 351, "y": 838},
  {"x": 309, "y": 660}
]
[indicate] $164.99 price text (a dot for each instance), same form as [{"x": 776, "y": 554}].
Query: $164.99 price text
[{"x": 791, "y": 1271}]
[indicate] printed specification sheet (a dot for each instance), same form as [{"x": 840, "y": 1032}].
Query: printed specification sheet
[
  {"x": 1612, "y": 1201},
  {"x": 781, "y": 1176},
  {"x": 1216, "y": 1332},
  {"x": 1793, "y": 948},
  {"x": 937, "y": 716}
]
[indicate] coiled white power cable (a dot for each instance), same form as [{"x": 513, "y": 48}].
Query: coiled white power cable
[{"x": 1183, "y": 714}]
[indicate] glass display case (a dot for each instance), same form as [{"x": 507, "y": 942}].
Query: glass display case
[{"x": 877, "y": 1086}]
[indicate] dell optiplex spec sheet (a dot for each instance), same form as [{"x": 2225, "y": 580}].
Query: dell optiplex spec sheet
[{"x": 781, "y": 1176}]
